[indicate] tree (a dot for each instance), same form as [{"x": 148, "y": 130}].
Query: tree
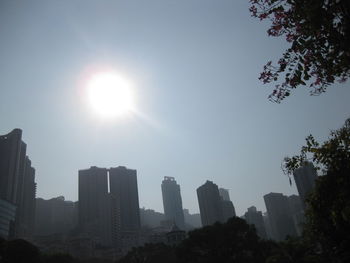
[
  {"x": 19, "y": 251},
  {"x": 328, "y": 206},
  {"x": 233, "y": 241},
  {"x": 319, "y": 34},
  {"x": 150, "y": 253}
]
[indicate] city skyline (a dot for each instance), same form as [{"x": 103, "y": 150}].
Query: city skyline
[{"x": 194, "y": 67}]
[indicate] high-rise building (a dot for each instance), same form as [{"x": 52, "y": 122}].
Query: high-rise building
[
  {"x": 123, "y": 186},
  {"x": 228, "y": 208},
  {"x": 172, "y": 202},
  {"x": 28, "y": 207},
  {"x": 55, "y": 215},
  {"x": 254, "y": 217},
  {"x": 210, "y": 203},
  {"x": 224, "y": 194},
  {"x": 297, "y": 213},
  {"x": 11, "y": 150},
  {"x": 95, "y": 210},
  {"x": 279, "y": 215},
  {"x": 305, "y": 178},
  {"x": 192, "y": 220},
  {"x": 17, "y": 182}
]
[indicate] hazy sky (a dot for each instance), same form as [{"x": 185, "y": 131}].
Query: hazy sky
[{"x": 194, "y": 64}]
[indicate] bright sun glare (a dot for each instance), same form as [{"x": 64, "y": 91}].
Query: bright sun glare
[{"x": 110, "y": 95}]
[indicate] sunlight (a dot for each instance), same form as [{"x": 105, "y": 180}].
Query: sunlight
[{"x": 110, "y": 95}]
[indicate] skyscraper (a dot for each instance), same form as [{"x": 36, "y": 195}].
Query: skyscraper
[
  {"x": 27, "y": 206},
  {"x": 95, "y": 205},
  {"x": 210, "y": 205},
  {"x": 228, "y": 210},
  {"x": 123, "y": 186},
  {"x": 280, "y": 218},
  {"x": 254, "y": 217},
  {"x": 11, "y": 150},
  {"x": 224, "y": 194},
  {"x": 17, "y": 183},
  {"x": 172, "y": 202},
  {"x": 305, "y": 178}
]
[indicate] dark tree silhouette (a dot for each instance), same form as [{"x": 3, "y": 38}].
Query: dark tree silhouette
[
  {"x": 150, "y": 253},
  {"x": 19, "y": 251},
  {"x": 328, "y": 206},
  {"x": 319, "y": 34},
  {"x": 234, "y": 241}
]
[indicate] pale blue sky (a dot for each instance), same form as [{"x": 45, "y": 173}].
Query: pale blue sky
[{"x": 195, "y": 67}]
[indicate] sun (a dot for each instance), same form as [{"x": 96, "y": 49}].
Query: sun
[{"x": 110, "y": 95}]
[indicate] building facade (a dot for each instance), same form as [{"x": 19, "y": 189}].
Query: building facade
[
  {"x": 254, "y": 217},
  {"x": 95, "y": 218},
  {"x": 279, "y": 215},
  {"x": 55, "y": 216},
  {"x": 123, "y": 186},
  {"x": 305, "y": 178},
  {"x": 172, "y": 202},
  {"x": 210, "y": 205},
  {"x": 17, "y": 182}
]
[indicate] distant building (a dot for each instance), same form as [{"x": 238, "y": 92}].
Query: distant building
[
  {"x": 192, "y": 220},
  {"x": 150, "y": 218},
  {"x": 228, "y": 210},
  {"x": 55, "y": 216},
  {"x": 123, "y": 186},
  {"x": 279, "y": 215},
  {"x": 17, "y": 182},
  {"x": 7, "y": 219},
  {"x": 210, "y": 204},
  {"x": 175, "y": 236},
  {"x": 28, "y": 206},
  {"x": 95, "y": 206},
  {"x": 297, "y": 213},
  {"x": 305, "y": 178},
  {"x": 254, "y": 217},
  {"x": 11, "y": 150},
  {"x": 224, "y": 194},
  {"x": 172, "y": 202}
]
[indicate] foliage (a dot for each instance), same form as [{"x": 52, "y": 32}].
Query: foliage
[
  {"x": 328, "y": 206},
  {"x": 150, "y": 253},
  {"x": 19, "y": 251},
  {"x": 57, "y": 258},
  {"x": 234, "y": 241},
  {"x": 319, "y": 34}
]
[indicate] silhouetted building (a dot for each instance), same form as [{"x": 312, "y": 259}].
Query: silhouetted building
[
  {"x": 123, "y": 186},
  {"x": 279, "y": 215},
  {"x": 267, "y": 225},
  {"x": 17, "y": 182},
  {"x": 192, "y": 220},
  {"x": 210, "y": 203},
  {"x": 297, "y": 213},
  {"x": 224, "y": 194},
  {"x": 95, "y": 206},
  {"x": 175, "y": 236},
  {"x": 7, "y": 219},
  {"x": 254, "y": 217},
  {"x": 228, "y": 210},
  {"x": 55, "y": 216},
  {"x": 305, "y": 178},
  {"x": 172, "y": 202},
  {"x": 28, "y": 207},
  {"x": 11, "y": 150},
  {"x": 150, "y": 218}
]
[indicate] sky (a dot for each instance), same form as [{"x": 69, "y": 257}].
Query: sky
[{"x": 202, "y": 113}]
